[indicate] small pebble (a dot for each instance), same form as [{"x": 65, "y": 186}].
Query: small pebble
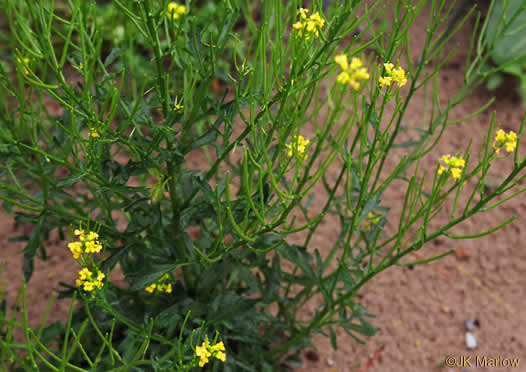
[
  {"x": 330, "y": 362},
  {"x": 469, "y": 325},
  {"x": 471, "y": 341}
]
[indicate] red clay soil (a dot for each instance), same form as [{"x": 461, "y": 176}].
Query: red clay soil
[{"x": 420, "y": 311}]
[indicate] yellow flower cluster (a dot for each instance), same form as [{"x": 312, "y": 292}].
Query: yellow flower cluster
[
  {"x": 396, "y": 75},
  {"x": 308, "y": 26},
  {"x": 453, "y": 164},
  {"x": 351, "y": 73},
  {"x": 206, "y": 351},
  {"x": 503, "y": 139},
  {"x": 161, "y": 285},
  {"x": 176, "y": 10},
  {"x": 88, "y": 281},
  {"x": 298, "y": 148},
  {"x": 87, "y": 244},
  {"x": 89, "y": 278}
]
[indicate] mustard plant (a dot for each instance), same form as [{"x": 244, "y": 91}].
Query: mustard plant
[{"x": 188, "y": 140}]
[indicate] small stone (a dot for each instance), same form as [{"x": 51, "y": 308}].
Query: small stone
[
  {"x": 330, "y": 362},
  {"x": 469, "y": 325},
  {"x": 471, "y": 341}
]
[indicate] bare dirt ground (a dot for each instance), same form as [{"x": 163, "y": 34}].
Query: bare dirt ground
[{"x": 420, "y": 311}]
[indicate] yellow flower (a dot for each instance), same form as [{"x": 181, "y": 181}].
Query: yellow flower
[
  {"x": 100, "y": 278},
  {"x": 396, "y": 75},
  {"x": 385, "y": 81},
  {"x": 92, "y": 235},
  {"x": 93, "y": 133},
  {"x": 88, "y": 286},
  {"x": 93, "y": 247},
  {"x": 356, "y": 63},
  {"x": 219, "y": 346},
  {"x": 76, "y": 249},
  {"x": 161, "y": 285},
  {"x": 360, "y": 74},
  {"x": 302, "y": 12},
  {"x": 308, "y": 26},
  {"x": 343, "y": 78},
  {"x": 206, "y": 351},
  {"x": 298, "y": 147},
  {"x": 298, "y": 26},
  {"x": 151, "y": 288},
  {"x": 351, "y": 74},
  {"x": 87, "y": 244},
  {"x": 454, "y": 164},
  {"x": 341, "y": 59},
  {"x": 176, "y": 10},
  {"x": 501, "y": 136},
  {"x": 85, "y": 274},
  {"x": 507, "y": 140},
  {"x": 456, "y": 173},
  {"x": 510, "y": 146},
  {"x": 203, "y": 353},
  {"x": 221, "y": 356},
  {"x": 87, "y": 281},
  {"x": 457, "y": 162},
  {"x": 316, "y": 19}
]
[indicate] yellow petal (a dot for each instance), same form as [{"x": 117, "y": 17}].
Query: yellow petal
[
  {"x": 356, "y": 63},
  {"x": 341, "y": 60}
]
